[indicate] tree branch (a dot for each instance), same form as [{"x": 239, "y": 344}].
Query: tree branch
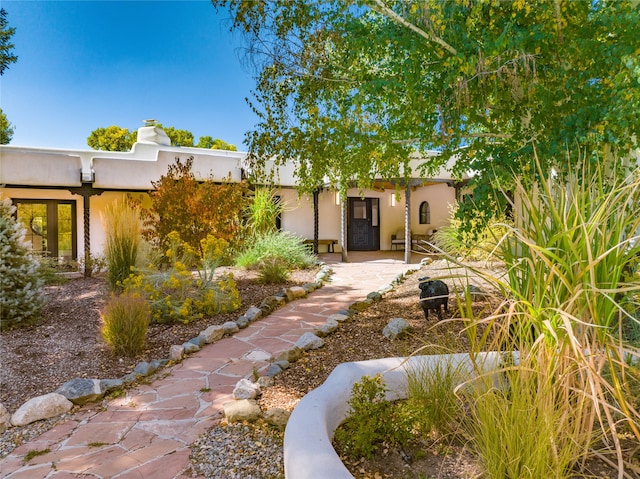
[{"x": 397, "y": 18}]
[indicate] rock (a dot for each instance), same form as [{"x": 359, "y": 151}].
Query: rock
[
  {"x": 130, "y": 378},
  {"x": 253, "y": 314},
  {"x": 360, "y": 306},
  {"x": 374, "y": 296},
  {"x": 144, "y": 368},
  {"x": 396, "y": 328},
  {"x": 328, "y": 327},
  {"x": 212, "y": 334},
  {"x": 339, "y": 317},
  {"x": 199, "y": 341},
  {"x": 282, "y": 364},
  {"x": 108, "y": 385},
  {"x": 277, "y": 417},
  {"x": 81, "y": 390},
  {"x": 273, "y": 370},
  {"x": 192, "y": 348},
  {"x": 41, "y": 407},
  {"x": 310, "y": 287},
  {"x": 291, "y": 355},
  {"x": 230, "y": 327},
  {"x": 243, "y": 322},
  {"x": 297, "y": 292},
  {"x": 309, "y": 341},
  {"x": 5, "y": 419},
  {"x": 246, "y": 389},
  {"x": 266, "y": 382},
  {"x": 176, "y": 353},
  {"x": 385, "y": 289},
  {"x": 241, "y": 410}
]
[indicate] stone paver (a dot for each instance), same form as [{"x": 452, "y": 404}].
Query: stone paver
[{"x": 146, "y": 433}]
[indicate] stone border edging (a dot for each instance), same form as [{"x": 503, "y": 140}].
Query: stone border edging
[
  {"x": 308, "y": 450},
  {"x": 80, "y": 391}
]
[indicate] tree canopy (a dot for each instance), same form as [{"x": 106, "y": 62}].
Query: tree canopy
[
  {"x": 6, "y": 129},
  {"x": 351, "y": 89},
  {"x": 6, "y": 47},
  {"x": 115, "y": 138}
]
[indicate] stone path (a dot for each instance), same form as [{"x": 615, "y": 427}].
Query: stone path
[{"x": 146, "y": 433}]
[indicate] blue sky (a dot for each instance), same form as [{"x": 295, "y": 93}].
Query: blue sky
[{"x": 88, "y": 64}]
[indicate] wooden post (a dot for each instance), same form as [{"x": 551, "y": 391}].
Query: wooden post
[
  {"x": 407, "y": 224},
  {"x": 343, "y": 231},
  {"x": 316, "y": 222}
]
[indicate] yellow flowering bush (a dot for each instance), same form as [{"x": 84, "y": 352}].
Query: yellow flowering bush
[{"x": 180, "y": 294}]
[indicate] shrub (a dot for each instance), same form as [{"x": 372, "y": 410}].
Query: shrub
[
  {"x": 372, "y": 420},
  {"x": 124, "y": 323},
  {"x": 194, "y": 209},
  {"x": 263, "y": 211},
  {"x": 177, "y": 293},
  {"x": 21, "y": 296},
  {"x": 122, "y": 224},
  {"x": 283, "y": 246}
]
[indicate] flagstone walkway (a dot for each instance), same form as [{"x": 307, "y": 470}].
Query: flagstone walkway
[{"x": 146, "y": 433}]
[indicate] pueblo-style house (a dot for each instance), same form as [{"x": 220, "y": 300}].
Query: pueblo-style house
[{"x": 61, "y": 194}]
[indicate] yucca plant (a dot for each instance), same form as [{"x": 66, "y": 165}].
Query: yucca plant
[{"x": 123, "y": 226}]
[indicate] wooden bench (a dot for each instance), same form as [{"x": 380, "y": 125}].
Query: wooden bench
[{"x": 329, "y": 243}]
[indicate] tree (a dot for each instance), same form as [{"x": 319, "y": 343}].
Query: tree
[
  {"x": 20, "y": 283},
  {"x": 6, "y": 129},
  {"x": 6, "y": 47},
  {"x": 215, "y": 144},
  {"x": 178, "y": 137},
  {"x": 352, "y": 89},
  {"x": 193, "y": 209},
  {"x": 111, "y": 138}
]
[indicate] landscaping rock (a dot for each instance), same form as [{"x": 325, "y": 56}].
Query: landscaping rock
[
  {"x": 230, "y": 327},
  {"x": 212, "y": 334},
  {"x": 242, "y": 410},
  {"x": 277, "y": 417},
  {"x": 297, "y": 292},
  {"x": 199, "y": 341},
  {"x": 108, "y": 385},
  {"x": 177, "y": 352},
  {"x": 327, "y": 328},
  {"x": 266, "y": 382},
  {"x": 374, "y": 296},
  {"x": 246, "y": 389},
  {"x": 273, "y": 370},
  {"x": 396, "y": 328},
  {"x": 192, "y": 348},
  {"x": 41, "y": 407},
  {"x": 291, "y": 355},
  {"x": 5, "y": 419},
  {"x": 360, "y": 306},
  {"x": 339, "y": 317},
  {"x": 81, "y": 390},
  {"x": 242, "y": 322},
  {"x": 145, "y": 369},
  {"x": 310, "y": 287},
  {"x": 309, "y": 341},
  {"x": 129, "y": 378},
  {"x": 253, "y": 314}
]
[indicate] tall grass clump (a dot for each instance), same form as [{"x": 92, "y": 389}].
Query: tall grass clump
[
  {"x": 124, "y": 323},
  {"x": 283, "y": 246},
  {"x": 123, "y": 226},
  {"x": 571, "y": 262},
  {"x": 263, "y": 211}
]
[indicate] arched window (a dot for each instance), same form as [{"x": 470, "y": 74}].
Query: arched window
[{"x": 425, "y": 213}]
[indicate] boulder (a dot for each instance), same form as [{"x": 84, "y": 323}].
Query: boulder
[
  {"x": 144, "y": 368},
  {"x": 5, "y": 418},
  {"x": 328, "y": 327},
  {"x": 246, "y": 389},
  {"x": 396, "y": 328},
  {"x": 230, "y": 327},
  {"x": 199, "y": 341},
  {"x": 212, "y": 334},
  {"x": 242, "y": 410},
  {"x": 41, "y": 407},
  {"x": 81, "y": 390},
  {"x": 309, "y": 341},
  {"x": 191, "y": 347},
  {"x": 277, "y": 417},
  {"x": 291, "y": 355},
  {"x": 253, "y": 314},
  {"x": 176, "y": 353}
]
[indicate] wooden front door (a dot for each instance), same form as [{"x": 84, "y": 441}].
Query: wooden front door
[{"x": 363, "y": 226}]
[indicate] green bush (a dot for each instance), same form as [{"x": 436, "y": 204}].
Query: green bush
[
  {"x": 263, "y": 211},
  {"x": 123, "y": 226},
  {"x": 178, "y": 294},
  {"x": 124, "y": 323},
  {"x": 372, "y": 420},
  {"x": 286, "y": 247},
  {"x": 21, "y": 296}
]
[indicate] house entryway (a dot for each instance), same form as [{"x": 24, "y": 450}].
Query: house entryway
[{"x": 363, "y": 224}]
